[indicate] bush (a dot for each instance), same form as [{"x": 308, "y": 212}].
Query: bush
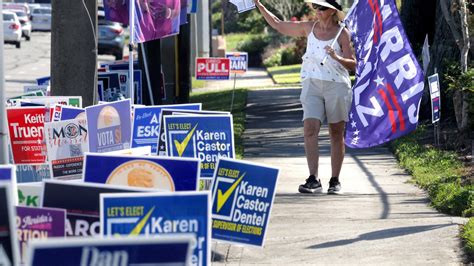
[
  {"x": 283, "y": 56},
  {"x": 254, "y": 46},
  {"x": 468, "y": 235}
]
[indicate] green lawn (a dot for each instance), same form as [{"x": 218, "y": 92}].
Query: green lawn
[
  {"x": 288, "y": 74},
  {"x": 285, "y": 74},
  {"x": 440, "y": 174},
  {"x": 221, "y": 101},
  {"x": 198, "y": 84}
]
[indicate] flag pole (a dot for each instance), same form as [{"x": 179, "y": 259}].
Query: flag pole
[
  {"x": 341, "y": 27},
  {"x": 131, "y": 24}
]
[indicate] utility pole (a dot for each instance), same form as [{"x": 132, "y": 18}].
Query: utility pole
[{"x": 74, "y": 49}]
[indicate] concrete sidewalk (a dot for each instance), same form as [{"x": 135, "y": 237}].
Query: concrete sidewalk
[{"x": 380, "y": 219}]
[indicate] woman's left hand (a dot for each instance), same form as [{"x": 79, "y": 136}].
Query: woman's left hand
[{"x": 330, "y": 51}]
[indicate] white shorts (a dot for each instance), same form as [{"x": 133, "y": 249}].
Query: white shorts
[{"x": 323, "y": 99}]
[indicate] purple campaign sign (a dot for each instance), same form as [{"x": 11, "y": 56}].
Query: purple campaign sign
[
  {"x": 156, "y": 19},
  {"x": 390, "y": 82},
  {"x": 109, "y": 126},
  {"x": 38, "y": 223}
]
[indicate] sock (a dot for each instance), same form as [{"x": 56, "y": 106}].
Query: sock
[{"x": 335, "y": 178}]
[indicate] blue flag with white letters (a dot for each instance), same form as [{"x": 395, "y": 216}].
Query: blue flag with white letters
[{"x": 389, "y": 81}]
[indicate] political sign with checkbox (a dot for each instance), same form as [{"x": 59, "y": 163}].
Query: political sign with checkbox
[{"x": 242, "y": 199}]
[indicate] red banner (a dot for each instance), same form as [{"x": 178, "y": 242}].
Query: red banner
[
  {"x": 212, "y": 68},
  {"x": 26, "y": 130}
]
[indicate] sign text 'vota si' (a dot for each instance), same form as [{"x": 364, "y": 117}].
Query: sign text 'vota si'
[
  {"x": 146, "y": 124},
  {"x": 158, "y": 214},
  {"x": 212, "y": 68},
  {"x": 170, "y": 174},
  {"x": 109, "y": 126},
  {"x": 173, "y": 250},
  {"x": 207, "y": 138},
  {"x": 238, "y": 62},
  {"x": 242, "y": 195},
  {"x": 26, "y": 131}
]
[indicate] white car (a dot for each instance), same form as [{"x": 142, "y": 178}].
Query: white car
[
  {"x": 25, "y": 23},
  {"x": 11, "y": 28},
  {"x": 41, "y": 19}
]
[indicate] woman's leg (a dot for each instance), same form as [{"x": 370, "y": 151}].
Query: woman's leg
[
  {"x": 336, "y": 131},
  {"x": 311, "y": 133}
]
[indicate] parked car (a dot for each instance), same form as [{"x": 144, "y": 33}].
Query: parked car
[
  {"x": 25, "y": 24},
  {"x": 11, "y": 28},
  {"x": 17, "y": 6},
  {"x": 111, "y": 37},
  {"x": 41, "y": 19}
]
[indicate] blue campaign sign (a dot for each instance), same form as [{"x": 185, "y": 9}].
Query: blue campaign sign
[
  {"x": 242, "y": 200},
  {"x": 109, "y": 126},
  {"x": 173, "y": 250},
  {"x": 7, "y": 173},
  {"x": 43, "y": 81},
  {"x": 69, "y": 112},
  {"x": 435, "y": 93},
  {"x": 146, "y": 124},
  {"x": 238, "y": 61},
  {"x": 170, "y": 174},
  {"x": 207, "y": 138},
  {"x": 160, "y": 214}
]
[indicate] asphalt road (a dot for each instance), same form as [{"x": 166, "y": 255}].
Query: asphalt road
[{"x": 33, "y": 60}]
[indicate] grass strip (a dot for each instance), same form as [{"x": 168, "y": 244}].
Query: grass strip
[
  {"x": 221, "y": 101},
  {"x": 440, "y": 173},
  {"x": 285, "y": 74}
]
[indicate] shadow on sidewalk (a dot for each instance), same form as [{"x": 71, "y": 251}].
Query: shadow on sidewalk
[{"x": 381, "y": 234}]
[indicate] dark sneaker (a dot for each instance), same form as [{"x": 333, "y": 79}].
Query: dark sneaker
[
  {"x": 334, "y": 186},
  {"x": 312, "y": 185}
]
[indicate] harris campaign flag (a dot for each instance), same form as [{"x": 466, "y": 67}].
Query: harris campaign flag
[
  {"x": 154, "y": 19},
  {"x": 389, "y": 81}
]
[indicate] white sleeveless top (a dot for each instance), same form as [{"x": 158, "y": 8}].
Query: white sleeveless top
[{"x": 315, "y": 53}]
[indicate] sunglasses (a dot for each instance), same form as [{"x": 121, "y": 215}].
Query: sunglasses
[{"x": 318, "y": 7}]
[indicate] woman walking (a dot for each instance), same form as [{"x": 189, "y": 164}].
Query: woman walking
[{"x": 326, "y": 92}]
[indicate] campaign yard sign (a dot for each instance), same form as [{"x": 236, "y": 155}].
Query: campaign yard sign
[
  {"x": 164, "y": 112},
  {"x": 242, "y": 200},
  {"x": 146, "y": 123},
  {"x": 33, "y": 88},
  {"x": 25, "y": 128},
  {"x": 158, "y": 214},
  {"x": 9, "y": 254},
  {"x": 81, "y": 202},
  {"x": 66, "y": 142},
  {"x": 13, "y": 100},
  {"x": 7, "y": 173},
  {"x": 207, "y": 138},
  {"x": 170, "y": 174},
  {"x": 435, "y": 94},
  {"x": 212, "y": 68},
  {"x": 243, "y": 5},
  {"x": 26, "y": 173},
  {"x": 38, "y": 223},
  {"x": 30, "y": 194},
  {"x": 64, "y": 112},
  {"x": 238, "y": 62},
  {"x": 75, "y": 101},
  {"x": 109, "y": 126},
  {"x": 173, "y": 250}
]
